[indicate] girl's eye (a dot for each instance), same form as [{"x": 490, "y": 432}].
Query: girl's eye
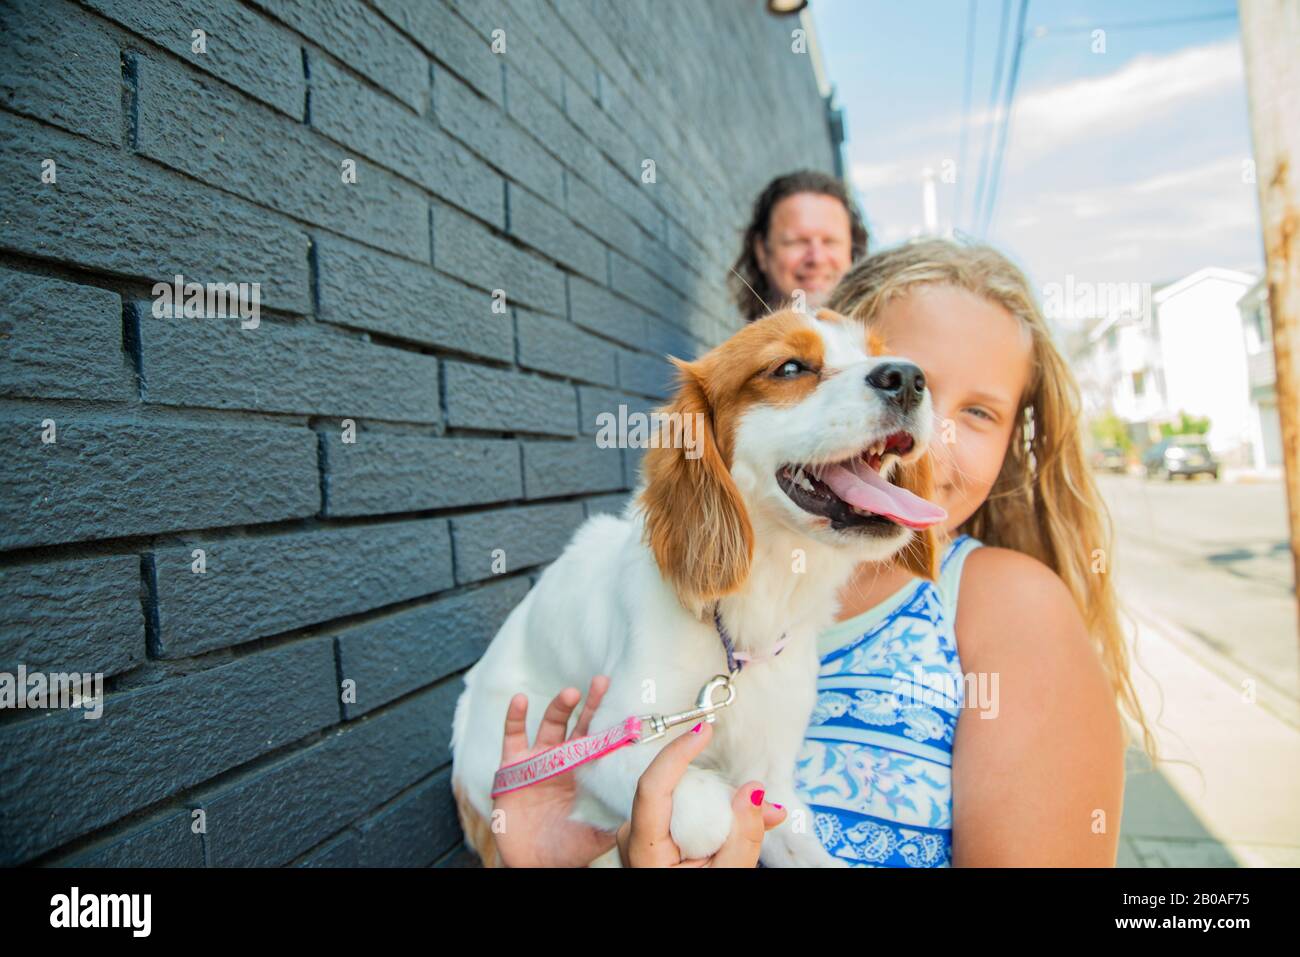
[
  {"x": 983, "y": 413},
  {"x": 789, "y": 369}
]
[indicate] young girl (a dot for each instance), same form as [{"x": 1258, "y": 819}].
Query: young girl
[{"x": 979, "y": 732}]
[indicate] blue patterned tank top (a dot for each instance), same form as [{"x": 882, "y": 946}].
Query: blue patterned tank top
[{"x": 876, "y": 762}]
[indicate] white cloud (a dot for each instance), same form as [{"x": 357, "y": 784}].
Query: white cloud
[{"x": 1142, "y": 91}]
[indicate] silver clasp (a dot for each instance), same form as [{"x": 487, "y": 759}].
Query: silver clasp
[{"x": 656, "y": 725}]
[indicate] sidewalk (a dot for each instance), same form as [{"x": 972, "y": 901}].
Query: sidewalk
[{"x": 1236, "y": 802}]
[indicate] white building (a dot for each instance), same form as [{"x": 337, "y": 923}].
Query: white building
[
  {"x": 1261, "y": 378},
  {"x": 1186, "y": 353}
]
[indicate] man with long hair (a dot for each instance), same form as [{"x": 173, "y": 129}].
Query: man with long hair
[{"x": 804, "y": 234}]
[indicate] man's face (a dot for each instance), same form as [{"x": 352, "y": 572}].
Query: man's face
[{"x": 809, "y": 247}]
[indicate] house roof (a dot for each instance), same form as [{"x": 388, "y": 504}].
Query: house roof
[{"x": 1243, "y": 279}]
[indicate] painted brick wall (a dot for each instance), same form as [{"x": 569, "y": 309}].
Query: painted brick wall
[{"x": 328, "y": 560}]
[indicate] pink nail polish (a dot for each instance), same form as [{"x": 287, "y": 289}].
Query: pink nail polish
[
  {"x": 696, "y": 729},
  {"x": 757, "y": 797},
  {"x": 782, "y": 806}
]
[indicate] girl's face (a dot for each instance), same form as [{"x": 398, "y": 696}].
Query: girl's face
[{"x": 976, "y": 359}]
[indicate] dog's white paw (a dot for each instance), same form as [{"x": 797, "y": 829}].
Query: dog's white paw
[{"x": 702, "y": 813}]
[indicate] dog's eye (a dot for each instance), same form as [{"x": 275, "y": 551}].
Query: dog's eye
[{"x": 789, "y": 369}]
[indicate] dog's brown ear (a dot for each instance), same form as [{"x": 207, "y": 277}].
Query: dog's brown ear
[
  {"x": 921, "y": 555},
  {"x": 695, "y": 520}
]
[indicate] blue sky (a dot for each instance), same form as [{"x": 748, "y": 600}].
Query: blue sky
[{"x": 1127, "y": 165}]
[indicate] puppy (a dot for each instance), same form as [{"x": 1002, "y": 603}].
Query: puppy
[{"x": 809, "y": 458}]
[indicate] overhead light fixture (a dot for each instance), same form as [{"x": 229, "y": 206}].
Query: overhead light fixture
[{"x": 781, "y": 8}]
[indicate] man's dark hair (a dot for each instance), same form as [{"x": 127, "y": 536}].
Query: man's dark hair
[{"x": 752, "y": 302}]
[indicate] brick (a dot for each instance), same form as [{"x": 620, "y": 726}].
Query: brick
[
  {"x": 363, "y": 40},
  {"x": 339, "y": 852},
  {"x": 393, "y": 656},
  {"x": 253, "y": 588},
  {"x": 622, "y": 186},
  {"x": 417, "y": 829},
  {"x": 108, "y": 477},
  {"x": 243, "y": 48},
  {"x": 238, "y": 145},
  {"x": 525, "y": 536},
  {"x": 601, "y": 129},
  {"x": 399, "y": 473},
  {"x": 283, "y": 367},
  {"x": 594, "y": 403},
  {"x": 591, "y": 210},
  {"x": 61, "y": 340},
  {"x": 387, "y": 133},
  {"x": 547, "y": 124},
  {"x": 444, "y": 35},
  {"x": 467, "y": 250},
  {"x": 561, "y": 348},
  {"x": 647, "y": 375},
  {"x": 597, "y": 309},
  {"x": 166, "y": 840},
  {"x": 70, "y": 76},
  {"x": 630, "y": 280},
  {"x": 277, "y": 812},
  {"x": 483, "y": 398},
  {"x": 82, "y": 615},
  {"x": 459, "y": 857},
  {"x": 483, "y": 15},
  {"x": 652, "y": 255},
  {"x": 366, "y": 289},
  {"x": 553, "y": 234},
  {"x": 632, "y": 460},
  {"x": 153, "y": 741},
  {"x": 665, "y": 339},
  {"x": 550, "y": 41},
  {"x": 484, "y": 127},
  {"x": 113, "y": 212},
  {"x": 607, "y": 504},
  {"x": 578, "y": 16},
  {"x": 570, "y": 468}
]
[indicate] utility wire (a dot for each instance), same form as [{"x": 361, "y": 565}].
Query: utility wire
[
  {"x": 995, "y": 175},
  {"x": 965, "y": 109},
  {"x": 993, "y": 98},
  {"x": 1040, "y": 32}
]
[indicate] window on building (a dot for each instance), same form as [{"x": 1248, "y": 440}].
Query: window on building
[{"x": 1139, "y": 384}]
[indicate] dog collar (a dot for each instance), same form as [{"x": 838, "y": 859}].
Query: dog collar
[{"x": 738, "y": 659}]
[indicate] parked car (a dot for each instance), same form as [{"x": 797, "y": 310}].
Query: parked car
[
  {"x": 1180, "y": 455},
  {"x": 1110, "y": 459}
]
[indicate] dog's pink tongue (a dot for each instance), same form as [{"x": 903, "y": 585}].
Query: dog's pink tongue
[{"x": 865, "y": 488}]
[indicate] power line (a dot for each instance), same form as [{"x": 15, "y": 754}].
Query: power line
[
  {"x": 993, "y": 98},
  {"x": 1040, "y": 32},
  {"x": 965, "y": 108},
  {"x": 996, "y": 174}
]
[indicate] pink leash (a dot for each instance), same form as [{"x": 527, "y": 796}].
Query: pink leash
[
  {"x": 633, "y": 730},
  {"x": 566, "y": 757}
]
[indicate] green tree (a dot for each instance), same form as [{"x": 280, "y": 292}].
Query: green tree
[
  {"x": 1109, "y": 431},
  {"x": 1186, "y": 425}
]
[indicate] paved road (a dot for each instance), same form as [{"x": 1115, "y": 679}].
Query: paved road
[
  {"x": 1212, "y": 559},
  {"x": 1205, "y": 569}
]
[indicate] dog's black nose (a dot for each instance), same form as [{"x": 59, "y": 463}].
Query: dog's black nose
[{"x": 899, "y": 382}]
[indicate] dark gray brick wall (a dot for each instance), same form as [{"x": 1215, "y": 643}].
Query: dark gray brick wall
[{"x": 282, "y": 543}]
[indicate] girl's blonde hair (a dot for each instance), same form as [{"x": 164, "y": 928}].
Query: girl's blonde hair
[{"x": 1044, "y": 502}]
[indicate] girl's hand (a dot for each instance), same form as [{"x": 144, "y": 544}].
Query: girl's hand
[
  {"x": 645, "y": 841},
  {"x": 538, "y": 832}
]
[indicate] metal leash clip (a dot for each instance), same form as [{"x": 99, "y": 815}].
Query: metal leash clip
[{"x": 656, "y": 725}]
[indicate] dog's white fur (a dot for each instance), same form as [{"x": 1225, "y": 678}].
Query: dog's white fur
[{"x": 605, "y": 607}]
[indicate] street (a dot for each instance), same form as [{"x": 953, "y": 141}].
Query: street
[
  {"x": 1212, "y": 559},
  {"x": 1204, "y": 569}
]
